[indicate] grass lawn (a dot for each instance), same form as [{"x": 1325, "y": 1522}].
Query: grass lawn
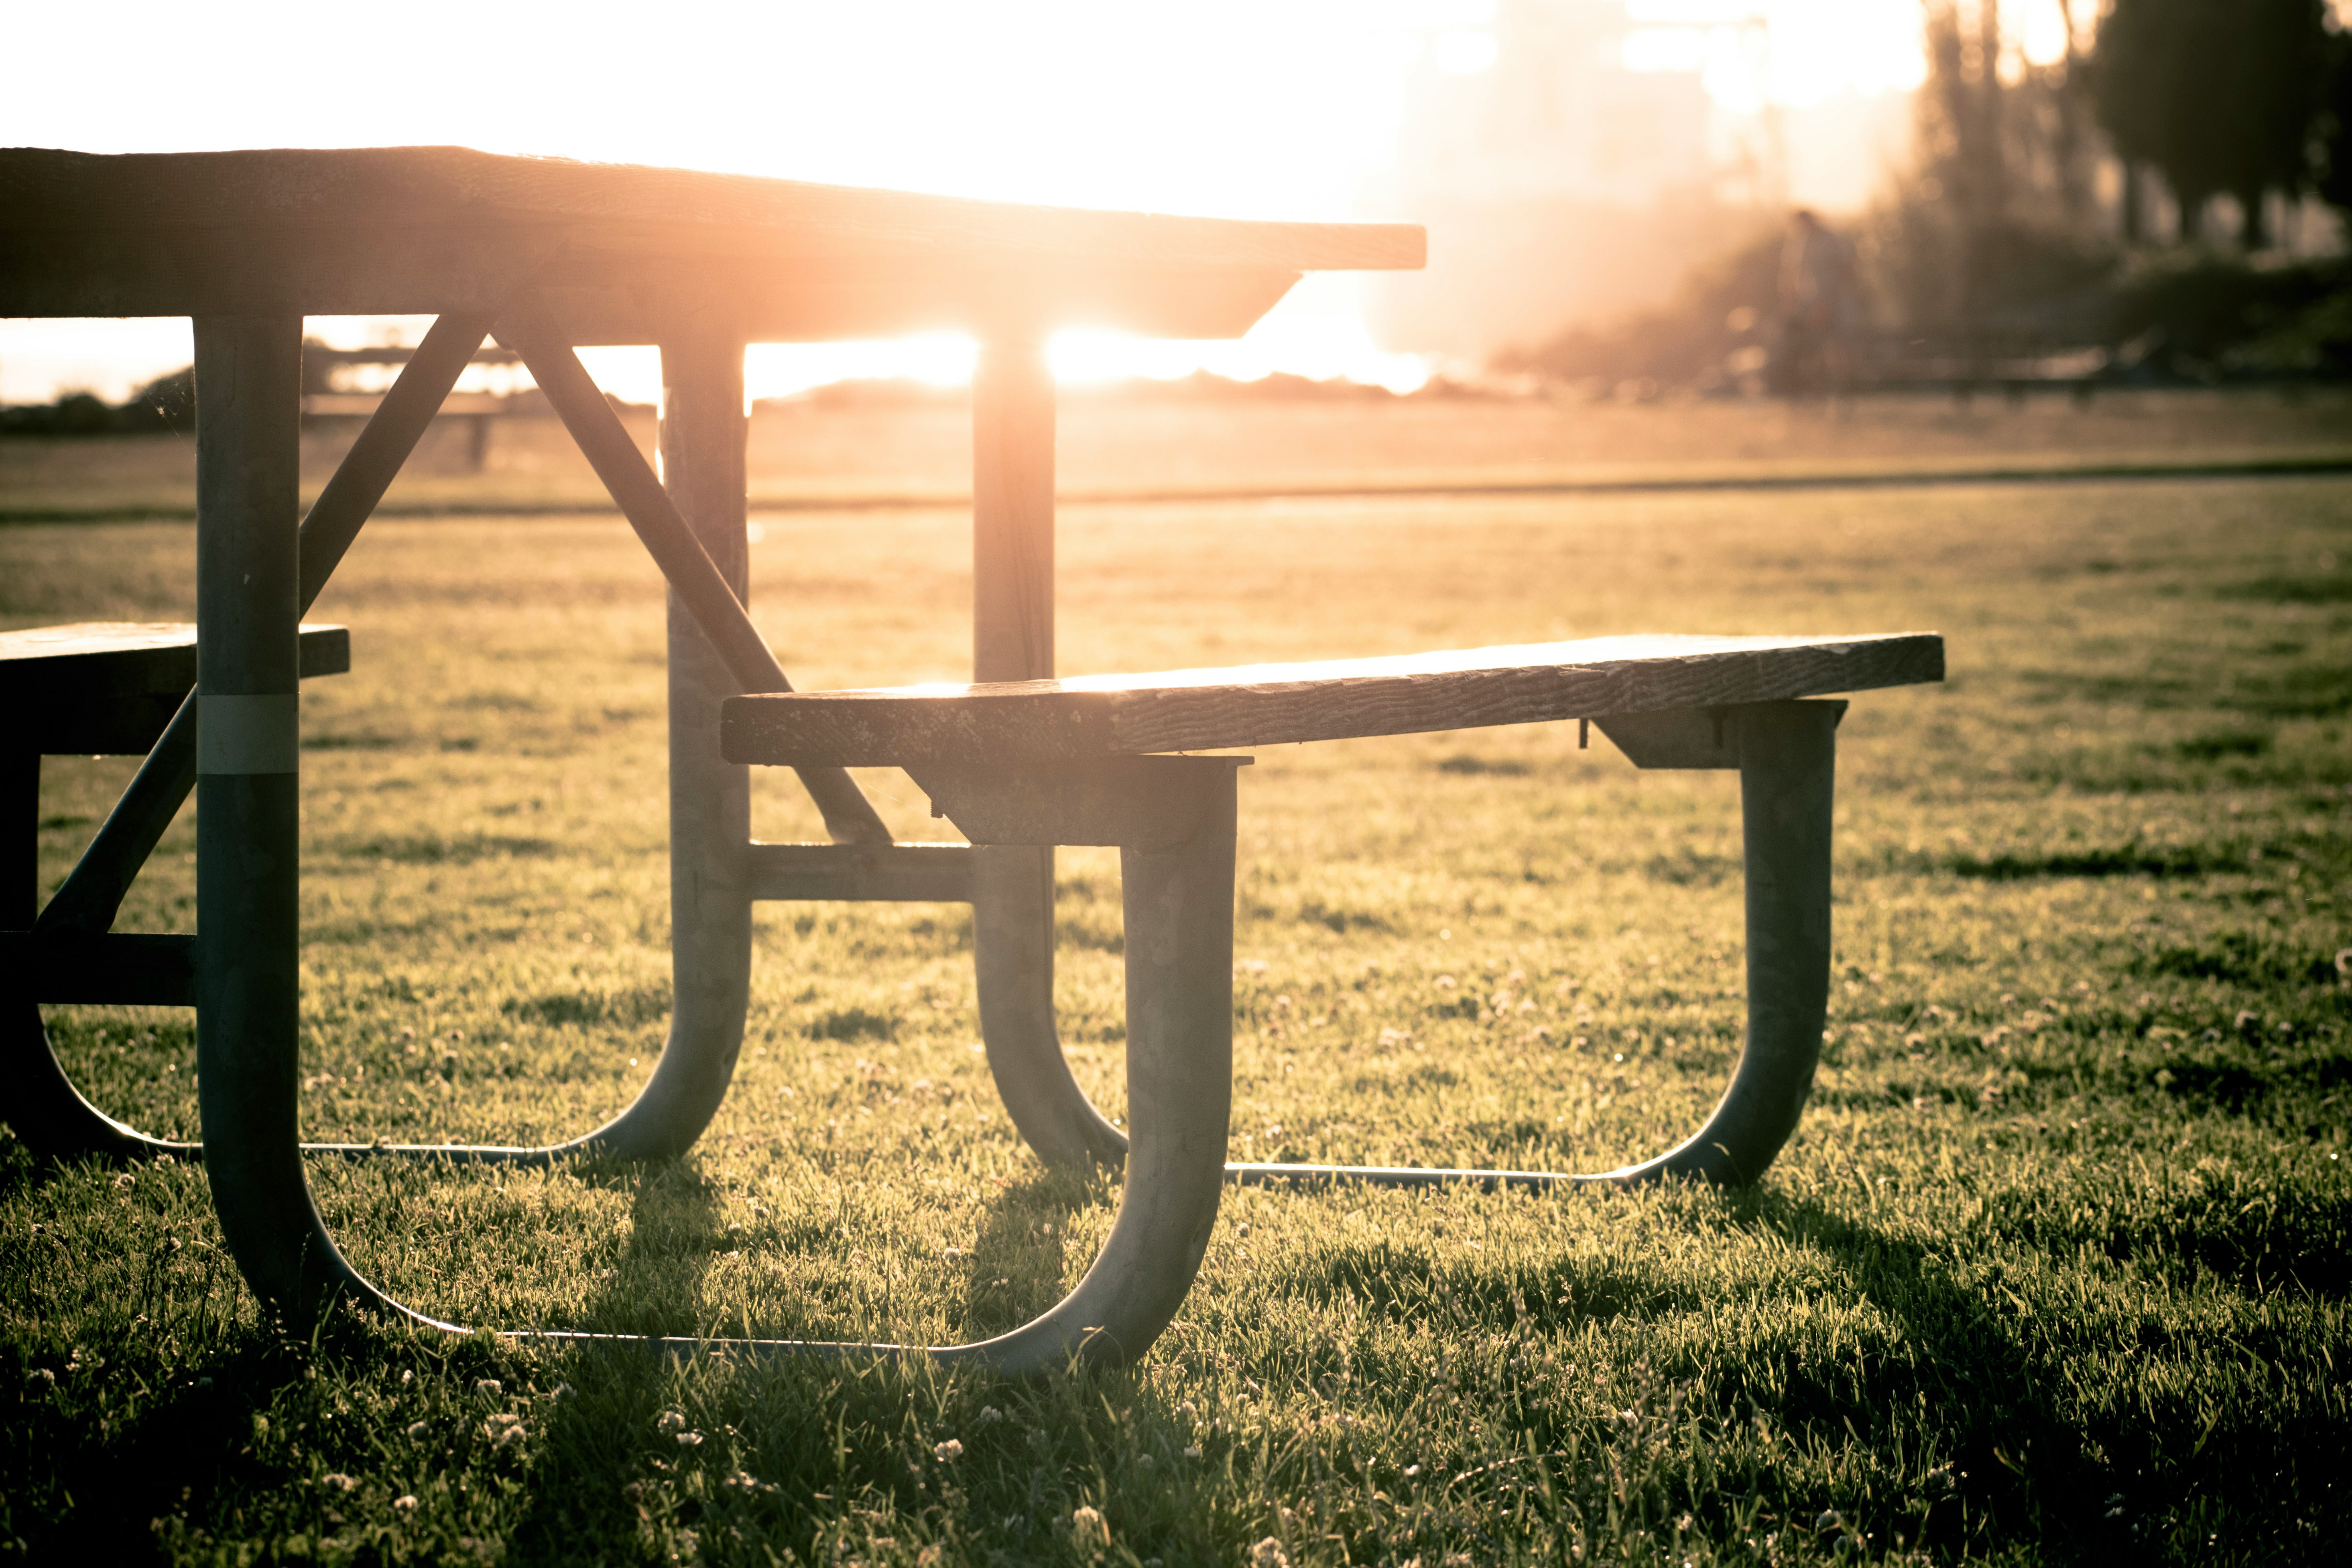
[{"x": 2056, "y": 1270}]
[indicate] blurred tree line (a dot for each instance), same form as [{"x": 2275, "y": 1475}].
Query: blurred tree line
[
  {"x": 167, "y": 403},
  {"x": 2034, "y": 216}
]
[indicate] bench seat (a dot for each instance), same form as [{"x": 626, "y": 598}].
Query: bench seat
[
  {"x": 1028, "y": 722},
  {"x": 1047, "y": 763},
  {"x": 107, "y": 688}
]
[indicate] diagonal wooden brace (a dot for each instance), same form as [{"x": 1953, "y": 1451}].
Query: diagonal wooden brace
[{"x": 529, "y": 331}]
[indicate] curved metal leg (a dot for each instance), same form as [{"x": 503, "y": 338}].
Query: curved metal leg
[
  {"x": 1013, "y": 954},
  {"x": 1787, "y": 754},
  {"x": 1012, "y": 640},
  {"x": 1788, "y": 763},
  {"x": 710, "y": 956},
  {"x": 50, "y": 1115},
  {"x": 1179, "y": 902},
  {"x": 702, "y": 430}
]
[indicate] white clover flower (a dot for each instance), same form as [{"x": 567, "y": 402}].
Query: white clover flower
[{"x": 950, "y": 1450}]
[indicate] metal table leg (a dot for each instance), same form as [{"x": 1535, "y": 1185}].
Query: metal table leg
[
  {"x": 48, "y": 1113},
  {"x": 1786, "y": 754},
  {"x": 694, "y": 518},
  {"x": 702, "y": 440},
  {"x": 714, "y": 652},
  {"x": 1012, "y": 640},
  {"x": 247, "y": 805}
]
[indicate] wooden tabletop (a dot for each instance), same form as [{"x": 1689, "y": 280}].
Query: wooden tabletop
[
  {"x": 397, "y": 230},
  {"x": 1275, "y": 704}
]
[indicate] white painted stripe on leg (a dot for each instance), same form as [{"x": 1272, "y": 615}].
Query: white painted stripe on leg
[{"x": 248, "y": 734}]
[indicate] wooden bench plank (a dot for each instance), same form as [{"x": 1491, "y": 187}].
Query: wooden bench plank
[
  {"x": 1276, "y": 704},
  {"x": 107, "y": 688}
]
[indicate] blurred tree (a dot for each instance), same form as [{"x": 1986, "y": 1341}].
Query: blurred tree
[
  {"x": 166, "y": 403},
  {"x": 1998, "y": 218},
  {"x": 2217, "y": 96},
  {"x": 1723, "y": 308},
  {"x": 2068, "y": 140},
  {"x": 1964, "y": 169},
  {"x": 2334, "y": 183}
]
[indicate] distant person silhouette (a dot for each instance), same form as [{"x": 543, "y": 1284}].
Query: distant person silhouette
[{"x": 1817, "y": 305}]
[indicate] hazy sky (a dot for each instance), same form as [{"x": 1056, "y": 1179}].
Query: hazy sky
[{"x": 1248, "y": 107}]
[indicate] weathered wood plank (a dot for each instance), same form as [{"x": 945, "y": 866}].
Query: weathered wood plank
[
  {"x": 109, "y": 688},
  {"x": 439, "y": 229},
  {"x": 1276, "y": 704},
  {"x": 603, "y": 298},
  {"x": 634, "y": 208},
  {"x": 386, "y": 270}
]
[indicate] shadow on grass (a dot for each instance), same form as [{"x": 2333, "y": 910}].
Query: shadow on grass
[
  {"x": 656, "y": 1284},
  {"x": 2131, "y": 860},
  {"x": 1015, "y": 1271},
  {"x": 1999, "y": 1352},
  {"x": 208, "y": 1434},
  {"x": 1012, "y": 1272},
  {"x": 1989, "y": 1356}
]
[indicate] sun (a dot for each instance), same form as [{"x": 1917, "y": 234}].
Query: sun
[{"x": 1276, "y": 109}]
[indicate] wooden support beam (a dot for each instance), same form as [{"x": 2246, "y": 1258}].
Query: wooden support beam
[
  {"x": 399, "y": 422},
  {"x": 119, "y": 970},
  {"x": 1012, "y": 512},
  {"x": 901, "y": 873}
]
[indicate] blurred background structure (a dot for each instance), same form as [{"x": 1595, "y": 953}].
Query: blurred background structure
[
  {"x": 2033, "y": 193},
  {"x": 2155, "y": 195}
]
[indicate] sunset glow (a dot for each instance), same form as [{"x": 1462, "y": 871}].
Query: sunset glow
[{"x": 1287, "y": 109}]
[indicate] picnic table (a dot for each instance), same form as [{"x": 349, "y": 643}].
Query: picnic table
[{"x": 549, "y": 256}]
